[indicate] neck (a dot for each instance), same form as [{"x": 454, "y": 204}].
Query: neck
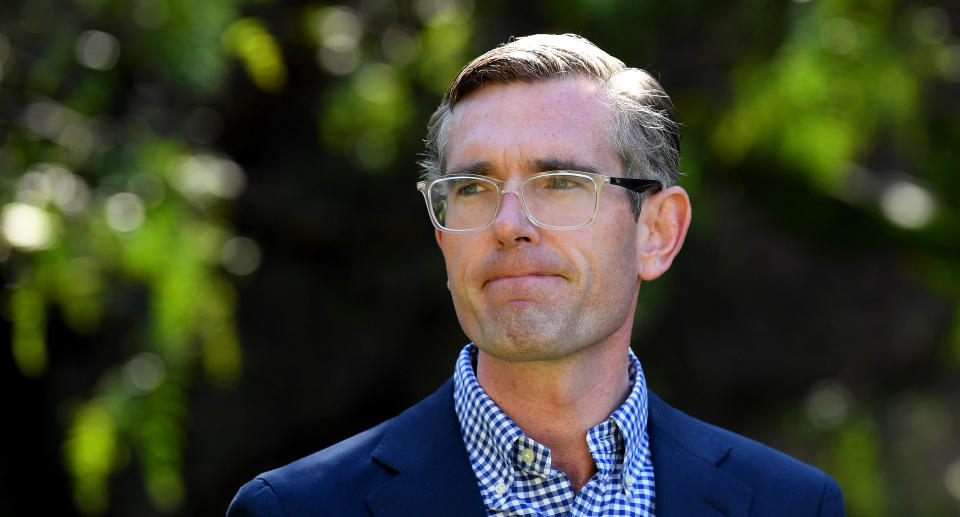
[{"x": 556, "y": 402}]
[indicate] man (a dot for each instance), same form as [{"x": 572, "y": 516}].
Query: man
[{"x": 551, "y": 179}]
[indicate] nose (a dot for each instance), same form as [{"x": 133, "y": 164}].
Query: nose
[{"x": 511, "y": 227}]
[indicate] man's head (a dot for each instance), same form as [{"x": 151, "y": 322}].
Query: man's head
[
  {"x": 524, "y": 292},
  {"x": 643, "y": 131}
]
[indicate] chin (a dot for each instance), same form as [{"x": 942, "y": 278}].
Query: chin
[
  {"x": 521, "y": 344},
  {"x": 519, "y": 353},
  {"x": 526, "y": 331}
]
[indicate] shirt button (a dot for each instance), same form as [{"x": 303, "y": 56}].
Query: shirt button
[
  {"x": 628, "y": 480},
  {"x": 527, "y": 456},
  {"x": 501, "y": 488}
]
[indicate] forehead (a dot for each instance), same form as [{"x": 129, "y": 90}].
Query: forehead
[{"x": 512, "y": 125}]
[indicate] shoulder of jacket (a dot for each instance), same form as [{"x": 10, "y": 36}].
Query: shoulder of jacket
[
  {"x": 341, "y": 474},
  {"x": 766, "y": 470}
]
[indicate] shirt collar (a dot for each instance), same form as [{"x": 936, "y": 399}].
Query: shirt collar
[
  {"x": 488, "y": 433},
  {"x": 631, "y": 419},
  {"x": 491, "y": 437}
]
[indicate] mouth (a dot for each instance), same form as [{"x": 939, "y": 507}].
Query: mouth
[{"x": 519, "y": 279}]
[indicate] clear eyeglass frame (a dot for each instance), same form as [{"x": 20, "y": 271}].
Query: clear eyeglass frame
[{"x": 637, "y": 185}]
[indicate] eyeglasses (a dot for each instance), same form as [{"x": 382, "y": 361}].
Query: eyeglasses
[{"x": 557, "y": 199}]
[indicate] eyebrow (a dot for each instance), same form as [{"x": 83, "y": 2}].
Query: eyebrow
[
  {"x": 560, "y": 164},
  {"x": 485, "y": 168},
  {"x": 479, "y": 168}
]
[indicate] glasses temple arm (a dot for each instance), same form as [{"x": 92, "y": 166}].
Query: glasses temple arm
[{"x": 636, "y": 184}]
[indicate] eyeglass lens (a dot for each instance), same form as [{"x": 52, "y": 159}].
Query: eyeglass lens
[{"x": 559, "y": 200}]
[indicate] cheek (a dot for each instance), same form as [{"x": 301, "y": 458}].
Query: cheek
[
  {"x": 450, "y": 260},
  {"x": 456, "y": 257},
  {"x": 618, "y": 268}
]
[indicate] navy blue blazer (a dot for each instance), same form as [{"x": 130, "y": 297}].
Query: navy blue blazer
[{"x": 416, "y": 465}]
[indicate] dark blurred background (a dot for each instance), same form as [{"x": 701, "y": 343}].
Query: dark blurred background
[{"x": 214, "y": 260}]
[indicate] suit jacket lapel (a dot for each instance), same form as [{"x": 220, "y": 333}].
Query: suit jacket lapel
[
  {"x": 434, "y": 476},
  {"x": 685, "y": 467}
]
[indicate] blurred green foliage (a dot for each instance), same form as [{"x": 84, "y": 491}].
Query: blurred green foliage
[
  {"x": 111, "y": 182},
  {"x": 98, "y": 196}
]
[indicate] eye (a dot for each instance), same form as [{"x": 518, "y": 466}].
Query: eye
[
  {"x": 471, "y": 188},
  {"x": 563, "y": 183}
]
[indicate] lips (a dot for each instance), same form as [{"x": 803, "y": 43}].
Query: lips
[
  {"x": 519, "y": 269},
  {"x": 519, "y": 278},
  {"x": 522, "y": 288}
]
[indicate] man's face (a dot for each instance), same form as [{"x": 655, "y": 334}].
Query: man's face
[{"x": 525, "y": 293}]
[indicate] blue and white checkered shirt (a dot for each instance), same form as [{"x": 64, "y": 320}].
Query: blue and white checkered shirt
[{"x": 514, "y": 472}]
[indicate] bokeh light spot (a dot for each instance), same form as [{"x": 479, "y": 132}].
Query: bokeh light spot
[
  {"x": 97, "y": 50},
  {"x": 951, "y": 479},
  {"x": 427, "y": 10},
  {"x": 248, "y": 39},
  {"x": 67, "y": 190},
  {"x": 165, "y": 487},
  {"x": 203, "y": 178},
  {"x": 337, "y": 62},
  {"x": 45, "y": 118},
  {"x": 46, "y": 182},
  {"x": 90, "y": 450},
  {"x": 948, "y": 63},
  {"x": 34, "y": 187},
  {"x": 907, "y": 204},
  {"x": 124, "y": 212},
  {"x": 78, "y": 138},
  {"x": 338, "y": 32},
  {"x": 377, "y": 83},
  {"x": 336, "y": 28},
  {"x": 144, "y": 373},
  {"x": 828, "y": 404},
  {"x": 926, "y": 418},
  {"x": 240, "y": 256},
  {"x": 931, "y": 25},
  {"x": 26, "y": 227},
  {"x": 840, "y": 35}
]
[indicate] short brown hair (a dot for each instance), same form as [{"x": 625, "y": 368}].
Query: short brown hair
[{"x": 644, "y": 132}]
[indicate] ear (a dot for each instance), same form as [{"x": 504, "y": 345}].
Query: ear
[
  {"x": 665, "y": 218},
  {"x": 439, "y": 236}
]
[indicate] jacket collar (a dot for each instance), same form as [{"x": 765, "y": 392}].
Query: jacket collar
[
  {"x": 423, "y": 446},
  {"x": 686, "y": 464},
  {"x": 433, "y": 473}
]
